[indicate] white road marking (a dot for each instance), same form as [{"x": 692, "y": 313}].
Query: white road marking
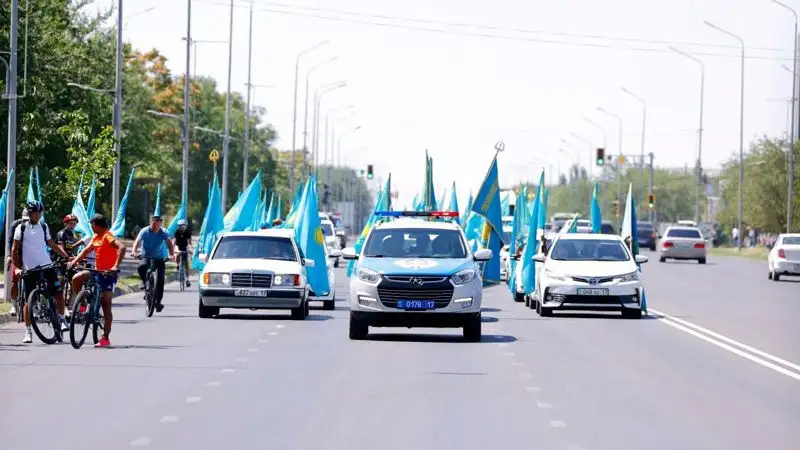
[
  {"x": 517, "y": 364},
  {"x": 141, "y": 442},
  {"x": 273, "y": 333},
  {"x": 533, "y": 389},
  {"x": 263, "y": 341},
  {"x": 508, "y": 354},
  {"x": 543, "y": 405},
  {"x": 280, "y": 326},
  {"x": 193, "y": 399},
  {"x": 728, "y": 340},
  {"x": 241, "y": 360},
  {"x": 169, "y": 419},
  {"x": 558, "y": 424},
  {"x": 252, "y": 350},
  {"x": 213, "y": 383},
  {"x": 673, "y": 322}
]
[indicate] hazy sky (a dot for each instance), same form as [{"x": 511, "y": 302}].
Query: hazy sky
[{"x": 524, "y": 71}]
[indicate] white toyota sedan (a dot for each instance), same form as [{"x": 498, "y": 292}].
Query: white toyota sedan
[
  {"x": 784, "y": 258},
  {"x": 589, "y": 272}
]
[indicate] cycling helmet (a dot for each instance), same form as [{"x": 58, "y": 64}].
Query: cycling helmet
[
  {"x": 70, "y": 218},
  {"x": 34, "y": 206},
  {"x": 182, "y": 223}
]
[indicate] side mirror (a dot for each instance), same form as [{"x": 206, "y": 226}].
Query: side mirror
[
  {"x": 539, "y": 257},
  {"x": 483, "y": 254},
  {"x": 308, "y": 262},
  {"x": 334, "y": 253},
  {"x": 641, "y": 259},
  {"x": 349, "y": 254},
  {"x": 202, "y": 257}
]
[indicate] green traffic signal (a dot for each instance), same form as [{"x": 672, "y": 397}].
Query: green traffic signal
[
  {"x": 370, "y": 172},
  {"x": 601, "y": 156}
]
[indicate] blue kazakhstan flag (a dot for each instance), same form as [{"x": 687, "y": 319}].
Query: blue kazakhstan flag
[
  {"x": 383, "y": 203},
  {"x": 531, "y": 247},
  {"x": 308, "y": 234},
  {"x": 487, "y": 205},
  {"x": 454, "y": 203},
  {"x": 596, "y": 216}
]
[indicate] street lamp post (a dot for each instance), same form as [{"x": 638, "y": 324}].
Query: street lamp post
[
  {"x": 741, "y": 129},
  {"x": 294, "y": 110},
  {"x": 226, "y": 139},
  {"x": 621, "y": 153},
  {"x": 644, "y": 125},
  {"x": 793, "y": 133},
  {"x": 117, "y": 120},
  {"x": 699, "y": 131},
  {"x": 318, "y": 94},
  {"x": 305, "y": 108},
  {"x": 246, "y": 147},
  {"x": 187, "y": 83},
  {"x": 11, "y": 88}
]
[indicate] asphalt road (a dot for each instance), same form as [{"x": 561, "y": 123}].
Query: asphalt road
[{"x": 253, "y": 380}]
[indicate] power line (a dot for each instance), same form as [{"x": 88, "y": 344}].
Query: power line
[{"x": 317, "y": 15}]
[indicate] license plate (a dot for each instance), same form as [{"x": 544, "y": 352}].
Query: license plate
[
  {"x": 250, "y": 292},
  {"x": 416, "y": 304},
  {"x": 592, "y": 291}
]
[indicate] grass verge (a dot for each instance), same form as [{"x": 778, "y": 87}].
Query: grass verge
[
  {"x": 757, "y": 253},
  {"x": 5, "y": 307}
]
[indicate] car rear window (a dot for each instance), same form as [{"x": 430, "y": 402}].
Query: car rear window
[
  {"x": 327, "y": 229},
  {"x": 791, "y": 240},
  {"x": 684, "y": 233},
  {"x": 255, "y": 247}
]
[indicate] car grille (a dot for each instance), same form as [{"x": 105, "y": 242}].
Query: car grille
[
  {"x": 594, "y": 299},
  {"x": 251, "y": 280},
  {"x": 599, "y": 280},
  {"x": 441, "y": 297}
]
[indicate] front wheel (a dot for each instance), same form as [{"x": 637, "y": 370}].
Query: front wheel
[
  {"x": 632, "y": 314},
  {"x": 472, "y": 329},
  {"x": 299, "y": 313},
  {"x": 519, "y": 298},
  {"x": 79, "y": 325},
  {"x": 358, "y": 329},
  {"x": 150, "y": 295},
  {"x": 44, "y": 318},
  {"x": 329, "y": 305},
  {"x": 182, "y": 277},
  {"x": 206, "y": 312},
  {"x": 701, "y": 260}
]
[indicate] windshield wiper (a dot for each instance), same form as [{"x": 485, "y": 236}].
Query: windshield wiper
[{"x": 376, "y": 256}]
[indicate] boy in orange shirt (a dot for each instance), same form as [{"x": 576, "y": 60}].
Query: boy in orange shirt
[{"x": 109, "y": 253}]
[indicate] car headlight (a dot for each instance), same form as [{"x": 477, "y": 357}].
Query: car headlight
[
  {"x": 286, "y": 280},
  {"x": 464, "y": 277},
  {"x": 633, "y": 276},
  {"x": 554, "y": 275},
  {"x": 216, "y": 279},
  {"x": 368, "y": 276}
]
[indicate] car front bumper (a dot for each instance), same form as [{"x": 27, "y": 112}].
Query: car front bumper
[
  {"x": 275, "y": 299},
  {"x": 564, "y": 296}
]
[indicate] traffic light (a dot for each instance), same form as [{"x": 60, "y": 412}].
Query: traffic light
[
  {"x": 651, "y": 200},
  {"x": 601, "y": 156},
  {"x": 370, "y": 172}
]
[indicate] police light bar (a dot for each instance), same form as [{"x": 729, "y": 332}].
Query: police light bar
[{"x": 416, "y": 213}]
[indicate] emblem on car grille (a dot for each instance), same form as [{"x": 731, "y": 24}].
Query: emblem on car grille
[
  {"x": 593, "y": 280},
  {"x": 416, "y": 281}
]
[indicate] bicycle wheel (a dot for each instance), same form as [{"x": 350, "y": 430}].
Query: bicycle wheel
[
  {"x": 79, "y": 326},
  {"x": 149, "y": 295},
  {"x": 43, "y": 317}
]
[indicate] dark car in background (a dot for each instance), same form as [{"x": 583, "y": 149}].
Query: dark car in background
[
  {"x": 647, "y": 235},
  {"x": 606, "y": 227}
]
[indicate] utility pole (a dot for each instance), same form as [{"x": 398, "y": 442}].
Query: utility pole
[
  {"x": 11, "y": 205},
  {"x": 187, "y": 84},
  {"x": 650, "y": 212},
  {"x": 249, "y": 86},
  {"x": 226, "y": 139},
  {"x": 117, "y": 116}
]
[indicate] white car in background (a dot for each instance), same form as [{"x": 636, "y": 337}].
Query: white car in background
[
  {"x": 329, "y": 300},
  {"x": 332, "y": 242},
  {"x": 784, "y": 257},
  {"x": 505, "y": 263},
  {"x": 254, "y": 270},
  {"x": 589, "y": 272}
]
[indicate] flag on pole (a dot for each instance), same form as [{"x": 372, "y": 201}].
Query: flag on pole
[
  {"x": 596, "y": 216},
  {"x": 487, "y": 205},
  {"x": 118, "y": 228},
  {"x": 90, "y": 208},
  {"x": 531, "y": 244}
]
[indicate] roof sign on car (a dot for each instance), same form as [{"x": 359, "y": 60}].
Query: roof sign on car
[{"x": 416, "y": 213}]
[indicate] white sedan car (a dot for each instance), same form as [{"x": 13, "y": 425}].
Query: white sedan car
[
  {"x": 329, "y": 300},
  {"x": 589, "y": 272},
  {"x": 784, "y": 258},
  {"x": 505, "y": 263}
]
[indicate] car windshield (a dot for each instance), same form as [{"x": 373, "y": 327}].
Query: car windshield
[
  {"x": 791, "y": 240},
  {"x": 327, "y": 229},
  {"x": 589, "y": 250},
  {"x": 255, "y": 247},
  {"x": 684, "y": 233},
  {"x": 415, "y": 243},
  {"x": 506, "y": 236}
]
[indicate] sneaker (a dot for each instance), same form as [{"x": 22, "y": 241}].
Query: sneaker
[
  {"x": 28, "y": 337},
  {"x": 64, "y": 326},
  {"x": 142, "y": 287},
  {"x": 159, "y": 307},
  {"x": 13, "y": 311},
  {"x": 103, "y": 343},
  {"x": 188, "y": 283}
]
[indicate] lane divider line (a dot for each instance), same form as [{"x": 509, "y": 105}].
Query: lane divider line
[
  {"x": 733, "y": 350},
  {"x": 728, "y": 340}
]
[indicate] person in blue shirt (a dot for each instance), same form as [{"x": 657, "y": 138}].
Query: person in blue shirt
[{"x": 155, "y": 242}]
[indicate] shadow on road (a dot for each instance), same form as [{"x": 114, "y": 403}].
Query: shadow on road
[
  {"x": 485, "y": 309},
  {"x": 489, "y": 319},
  {"x": 583, "y": 315},
  {"x": 145, "y": 347},
  {"x": 437, "y": 338},
  {"x": 13, "y": 348},
  {"x": 285, "y": 317}
]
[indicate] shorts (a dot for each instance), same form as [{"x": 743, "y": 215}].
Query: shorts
[
  {"x": 106, "y": 282},
  {"x": 49, "y": 275}
]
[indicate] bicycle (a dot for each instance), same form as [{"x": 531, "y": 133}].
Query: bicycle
[
  {"x": 42, "y": 308},
  {"x": 182, "y": 269},
  {"x": 86, "y": 310},
  {"x": 150, "y": 281}
]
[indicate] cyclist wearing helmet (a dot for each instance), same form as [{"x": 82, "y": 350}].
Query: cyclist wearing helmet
[
  {"x": 66, "y": 237},
  {"x": 182, "y": 240},
  {"x": 29, "y": 251}
]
